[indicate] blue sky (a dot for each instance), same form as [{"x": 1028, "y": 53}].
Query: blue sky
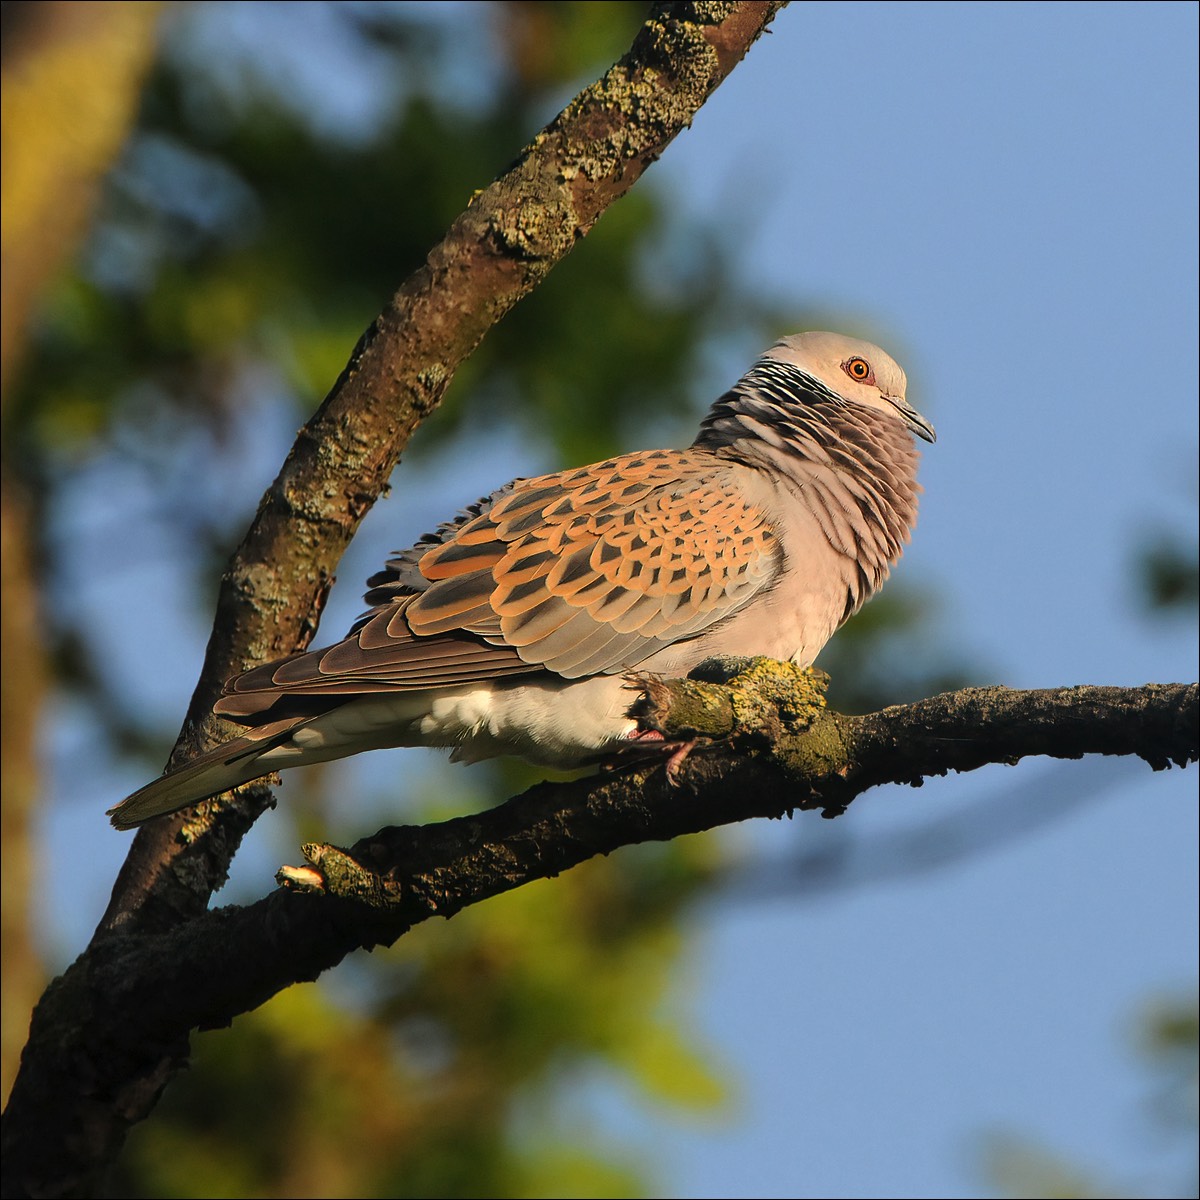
[{"x": 1005, "y": 197}]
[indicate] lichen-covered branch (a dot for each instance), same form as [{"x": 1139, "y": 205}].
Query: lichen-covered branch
[
  {"x": 838, "y": 757},
  {"x": 773, "y": 748},
  {"x": 769, "y": 746},
  {"x": 126, "y": 1008},
  {"x": 505, "y": 242}
]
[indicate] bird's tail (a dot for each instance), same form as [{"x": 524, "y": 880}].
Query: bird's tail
[{"x": 208, "y": 774}]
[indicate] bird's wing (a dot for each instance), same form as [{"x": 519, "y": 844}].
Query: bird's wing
[{"x": 580, "y": 573}]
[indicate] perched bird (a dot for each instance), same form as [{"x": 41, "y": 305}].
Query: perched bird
[{"x": 513, "y": 628}]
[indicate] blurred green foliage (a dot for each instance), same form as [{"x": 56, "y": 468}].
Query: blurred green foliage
[{"x": 1169, "y": 570}]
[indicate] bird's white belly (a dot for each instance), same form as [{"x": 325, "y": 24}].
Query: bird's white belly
[{"x": 548, "y": 721}]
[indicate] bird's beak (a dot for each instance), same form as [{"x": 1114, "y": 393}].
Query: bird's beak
[{"x": 914, "y": 420}]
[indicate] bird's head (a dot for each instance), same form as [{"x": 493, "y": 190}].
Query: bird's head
[{"x": 855, "y": 370}]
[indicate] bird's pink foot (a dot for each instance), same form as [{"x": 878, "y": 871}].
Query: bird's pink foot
[
  {"x": 645, "y": 744},
  {"x": 682, "y": 750},
  {"x": 645, "y": 735}
]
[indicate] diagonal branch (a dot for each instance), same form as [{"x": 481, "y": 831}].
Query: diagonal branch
[
  {"x": 497, "y": 251},
  {"x": 92, "y": 1069}
]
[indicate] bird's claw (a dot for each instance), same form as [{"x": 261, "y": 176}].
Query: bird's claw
[{"x": 677, "y": 750}]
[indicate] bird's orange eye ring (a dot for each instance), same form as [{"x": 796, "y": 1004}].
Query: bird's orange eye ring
[{"x": 859, "y": 370}]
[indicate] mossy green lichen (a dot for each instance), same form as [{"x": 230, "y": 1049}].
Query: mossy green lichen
[
  {"x": 699, "y": 708},
  {"x": 765, "y": 697},
  {"x": 818, "y": 752},
  {"x": 770, "y": 694},
  {"x": 344, "y": 876}
]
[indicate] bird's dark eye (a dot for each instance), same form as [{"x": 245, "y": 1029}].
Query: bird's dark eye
[{"x": 859, "y": 370}]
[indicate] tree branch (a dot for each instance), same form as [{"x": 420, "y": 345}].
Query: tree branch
[
  {"x": 780, "y": 750},
  {"x": 114, "y": 1028}
]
